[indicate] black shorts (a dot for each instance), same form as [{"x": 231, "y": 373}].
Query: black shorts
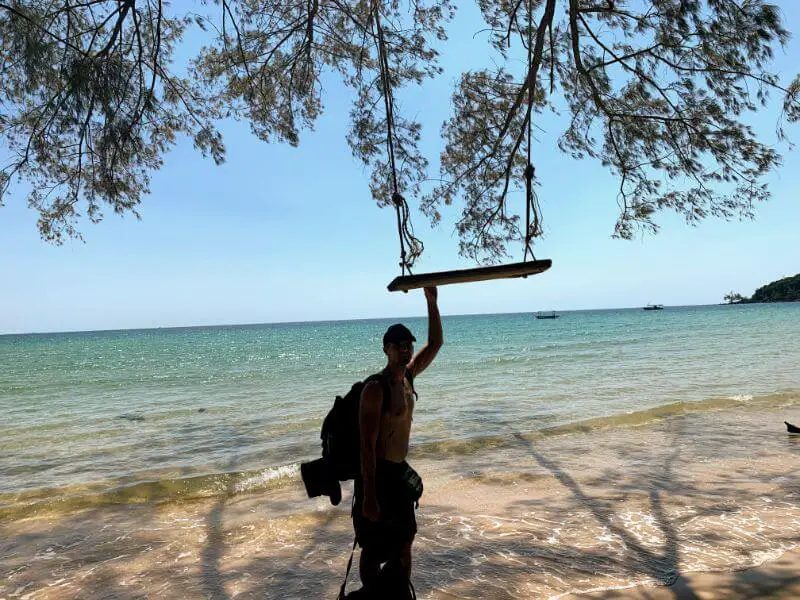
[{"x": 397, "y": 524}]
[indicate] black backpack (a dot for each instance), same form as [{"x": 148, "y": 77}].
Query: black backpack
[
  {"x": 341, "y": 434},
  {"x": 341, "y": 443}
]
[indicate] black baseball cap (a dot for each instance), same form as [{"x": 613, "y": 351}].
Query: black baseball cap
[{"x": 398, "y": 333}]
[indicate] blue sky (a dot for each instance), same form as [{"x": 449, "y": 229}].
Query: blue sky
[{"x": 291, "y": 234}]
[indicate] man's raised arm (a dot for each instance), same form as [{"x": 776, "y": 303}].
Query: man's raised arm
[{"x": 428, "y": 352}]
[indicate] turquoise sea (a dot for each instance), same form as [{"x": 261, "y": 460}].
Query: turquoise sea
[{"x": 166, "y": 414}]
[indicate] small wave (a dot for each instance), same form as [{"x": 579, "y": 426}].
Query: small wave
[
  {"x": 634, "y": 419},
  {"x": 267, "y": 478},
  {"x": 602, "y": 588},
  {"x": 761, "y": 557},
  {"x": 15, "y": 506}
]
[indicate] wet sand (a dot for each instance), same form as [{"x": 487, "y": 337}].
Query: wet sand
[
  {"x": 776, "y": 579},
  {"x": 695, "y": 506}
]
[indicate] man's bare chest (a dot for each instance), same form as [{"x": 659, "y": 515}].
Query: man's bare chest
[{"x": 401, "y": 401}]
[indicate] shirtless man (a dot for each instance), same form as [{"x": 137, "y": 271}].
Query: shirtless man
[{"x": 383, "y": 514}]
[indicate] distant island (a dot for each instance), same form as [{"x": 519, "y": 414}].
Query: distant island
[{"x": 782, "y": 290}]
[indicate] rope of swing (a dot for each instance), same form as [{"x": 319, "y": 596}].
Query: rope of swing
[
  {"x": 401, "y": 206},
  {"x": 531, "y": 202}
]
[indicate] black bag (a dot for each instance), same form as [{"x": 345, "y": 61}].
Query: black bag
[
  {"x": 412, "y": 485},
  {"x": 341, "y": 434},
  {"x": 341, "y": 443}
]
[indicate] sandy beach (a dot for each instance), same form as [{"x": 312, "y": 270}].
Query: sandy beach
[
  {"x": 775, "y": 579},
  {"x": 691, "y": 506}
]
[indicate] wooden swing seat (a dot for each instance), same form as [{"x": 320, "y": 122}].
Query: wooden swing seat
[{"x": 523, "y": 269}]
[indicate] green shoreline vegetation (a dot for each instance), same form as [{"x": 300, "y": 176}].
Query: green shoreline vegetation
[{"x": 782, "y": 290}]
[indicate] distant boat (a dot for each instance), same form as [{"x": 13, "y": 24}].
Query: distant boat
[
  {"x": 547, "y": 315},
  {"x": 653, "y": 307},
  {"x": 791, "y": 428}
]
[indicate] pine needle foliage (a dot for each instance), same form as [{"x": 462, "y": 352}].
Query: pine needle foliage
[{"x": 658, "y": 91}]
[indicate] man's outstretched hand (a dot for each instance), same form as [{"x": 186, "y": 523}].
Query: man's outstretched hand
[{"x": 431, "y": 294}]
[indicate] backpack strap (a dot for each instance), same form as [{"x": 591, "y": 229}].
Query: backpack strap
[
  {"x": 385, "y": 387},
  {"x": 349, "y": 562},
  {"x": 410, "y": 379}
]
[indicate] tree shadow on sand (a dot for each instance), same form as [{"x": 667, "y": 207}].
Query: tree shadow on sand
[
  {"x": 663, "y": 567},
  {"x": 655, "y": 479},
  {"x": 212, "y": 579}
]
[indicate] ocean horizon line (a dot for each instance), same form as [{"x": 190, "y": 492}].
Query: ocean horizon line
[{"x": 327, "y": 321}]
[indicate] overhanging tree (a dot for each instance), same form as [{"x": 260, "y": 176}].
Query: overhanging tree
[
  {"x": 733, "y": 298},
  {"x": 657, "y": 90}
]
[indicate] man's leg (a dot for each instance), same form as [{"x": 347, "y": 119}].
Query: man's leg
[
  {"x": 369, "y": 568},
  {"x": 410, "y": 532},
  {"x": 396, "y": 574},
  {"x": 405, "y": 558}
]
